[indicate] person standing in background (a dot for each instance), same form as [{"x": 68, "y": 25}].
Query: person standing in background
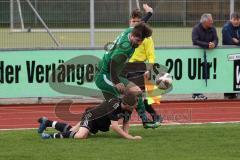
[
  {"x": 231, "y": 36},
  {"x": 204, "y": 35}
]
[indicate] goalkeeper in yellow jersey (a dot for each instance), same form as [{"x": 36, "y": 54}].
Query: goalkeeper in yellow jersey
[{"x": 136, "y": 69}]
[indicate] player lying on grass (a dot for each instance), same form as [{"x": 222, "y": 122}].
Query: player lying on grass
[
  {"x": 108, "y": 77},
  {"x": 91, "y": 122}
]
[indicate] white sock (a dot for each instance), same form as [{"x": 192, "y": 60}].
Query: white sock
[{"x": 54, "y": 124}]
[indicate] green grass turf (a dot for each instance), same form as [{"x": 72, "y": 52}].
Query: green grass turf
[
  {"x": 162, "y": 37},
  {"x": 185, "y": 142}
]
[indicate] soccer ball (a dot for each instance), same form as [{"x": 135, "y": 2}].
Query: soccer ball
[{"x": 164, "y": 81}]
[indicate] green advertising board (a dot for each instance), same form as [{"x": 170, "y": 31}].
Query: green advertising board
[{"x": 30, "y": 73}]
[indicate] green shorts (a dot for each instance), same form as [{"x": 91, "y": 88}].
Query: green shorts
[{"x": 104, "y": 83}]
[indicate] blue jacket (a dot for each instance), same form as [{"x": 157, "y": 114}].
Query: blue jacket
[
  {"x": 201, "y": 37},
  {"x": 229, "y": 32}
]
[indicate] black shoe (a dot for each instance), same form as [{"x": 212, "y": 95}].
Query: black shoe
[
  {"x": 42, "y": 126},
  {"x": 151, "y": 124},
  {"x": 157, "y": 118}
]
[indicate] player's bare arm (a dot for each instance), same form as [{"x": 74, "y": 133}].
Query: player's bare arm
[
  {"x": 125, "y": 126},
  {"x": 120, "y": 131}
]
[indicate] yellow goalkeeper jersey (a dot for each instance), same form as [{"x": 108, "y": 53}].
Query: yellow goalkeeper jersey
[{"x": 144, "y": 52}]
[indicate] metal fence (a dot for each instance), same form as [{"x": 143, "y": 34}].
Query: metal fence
[{"x": 93, "y": 23}]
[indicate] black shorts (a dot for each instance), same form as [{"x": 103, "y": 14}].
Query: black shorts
[
  {"x": 94, "y": 126},
  {"x": 134, "y": 72}
]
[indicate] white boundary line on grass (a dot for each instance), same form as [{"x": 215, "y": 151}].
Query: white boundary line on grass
[
  {"x": 16, "y": 129},
  {"x": 197, "y": 123},
  {"x": 163, "y": 124}
]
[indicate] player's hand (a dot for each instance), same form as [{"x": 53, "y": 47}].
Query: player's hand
[
  {"x": 235, "y": 40},
  {"x": 147, "y": 8},
  {"x": 137, "y": 137},
  {"x": 211, "y": 45},
  {"x": 120, "y": 87},
  {"x": 147, "y": 75}
]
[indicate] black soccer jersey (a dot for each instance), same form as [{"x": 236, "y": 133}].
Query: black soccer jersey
[{"x": 100, "y": 117}]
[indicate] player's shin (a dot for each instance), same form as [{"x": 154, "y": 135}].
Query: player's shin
[
  {"x": 152, "y": 112},
  {"x": 62, "y": 127},
  {"x": 68, "y": 134},
  {"x": 141, "y": 109}
]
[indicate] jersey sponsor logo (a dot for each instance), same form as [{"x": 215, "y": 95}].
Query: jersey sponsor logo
[
  {"x": 85, "y": 123},
  {"x": 116, "y": 105},
  {"x": 88, "y": 115}
]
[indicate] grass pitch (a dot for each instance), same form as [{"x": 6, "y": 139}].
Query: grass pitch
[{"x": 183, "y": 142}]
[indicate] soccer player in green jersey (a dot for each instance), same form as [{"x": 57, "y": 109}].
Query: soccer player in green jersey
[
  {"x": 141, "y": 63},
  {"x": 108, "y": 78}
]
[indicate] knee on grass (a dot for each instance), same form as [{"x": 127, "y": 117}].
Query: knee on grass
[{"x": 82, "y": 133}]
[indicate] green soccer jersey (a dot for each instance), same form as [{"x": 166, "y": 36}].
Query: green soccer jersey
[{"x": 120, "y": 46}]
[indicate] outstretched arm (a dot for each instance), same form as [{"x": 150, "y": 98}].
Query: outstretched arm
[
  {"x": 149, "y": 12},
  {"x": 121, "y": 132},
  {"x": 117, "y": 60},
  {"x": 125, "y": 126}
]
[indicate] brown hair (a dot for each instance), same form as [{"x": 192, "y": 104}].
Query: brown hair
[
  {"x": 142, "y": 30},
  {"x": 235, "y": 15},
  {"x": 136, "y": 13},
  {"x": 129, "y": 99}
]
